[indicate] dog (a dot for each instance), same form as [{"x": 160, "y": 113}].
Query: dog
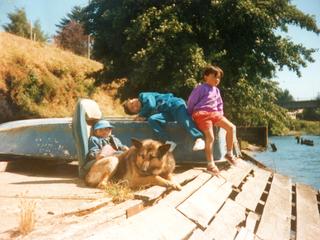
[{"x": 147, "y": 163}]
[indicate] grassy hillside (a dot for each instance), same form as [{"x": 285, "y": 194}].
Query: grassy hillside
[{"x": 38, "y": 80}]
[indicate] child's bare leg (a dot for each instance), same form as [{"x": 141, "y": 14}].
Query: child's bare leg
[
  {"x": 230, "y": 128},
  {"x": 209, "y": 139}
]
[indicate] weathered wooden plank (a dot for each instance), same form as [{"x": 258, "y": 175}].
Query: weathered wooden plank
[
  {"x": 253, "y": 188},
  {"x": 197, "y": 235},
  {"x": 157, "y": 222},
  {"x": 276, "y": 217},
  {"x": 152, "y": 193},
  {"x": 308, "y": 219},
  {"x": 235, "y": 174},
  {"x": 78, "y": 227},
  {"x": 186, "y": 176},
  {"x": 133, "y": 210},
  {"x": 244, "y": 234},
  {"x": 247, "y": 232},
  {"x": 224, "y": 225},
  {"x": 177, "y": 197},
  {"x": 251, "y": 221},
  {"x": 204, "y": 203}
]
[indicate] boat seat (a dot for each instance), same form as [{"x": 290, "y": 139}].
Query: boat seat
[{"x": 87, "y": 113}]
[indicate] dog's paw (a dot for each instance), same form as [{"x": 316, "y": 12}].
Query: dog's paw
[
  {"x": 175, "y": 186},
  {"x": 102, "y": 185}
]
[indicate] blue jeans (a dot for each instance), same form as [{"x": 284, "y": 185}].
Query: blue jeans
[{"x": 180, "y": 115}]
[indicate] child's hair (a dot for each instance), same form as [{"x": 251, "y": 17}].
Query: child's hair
[
  {"x": 212, "y": 69},
  {"x": 126, "y": 108}
]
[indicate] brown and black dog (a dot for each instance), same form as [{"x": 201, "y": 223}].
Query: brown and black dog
[{"x": 146, "y": 163}]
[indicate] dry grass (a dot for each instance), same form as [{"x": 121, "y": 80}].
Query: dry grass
[
  {"x": 109, "y": 104},
  {"x": 119, "y": 192},
  {"x": 43, "y": 57},
  {"x": 34, "y": 75},
  {"x": 27, "y": 216}
]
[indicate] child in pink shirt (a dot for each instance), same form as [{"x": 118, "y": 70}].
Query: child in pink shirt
[{"x": 206, "y": 107}]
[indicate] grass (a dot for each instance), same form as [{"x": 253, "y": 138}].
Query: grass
[
  {"x": 244, "y": 144},
  {"x": 305, "y": 127},
  {"x": 119, "y": 191},
  {"x": 35, "y": 75},
  {"x": 27, "y": 216}
]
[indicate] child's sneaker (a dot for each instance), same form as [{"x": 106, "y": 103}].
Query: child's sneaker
[
  {"x": 199, "y": 144},
  {"x": 173, "y": 145}
]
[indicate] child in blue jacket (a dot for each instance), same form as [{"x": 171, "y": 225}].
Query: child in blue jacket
[
  {"x": 102, "y": 158},
  {"x": 159, "y": 108},
  {"x": 102, "y": 143}
]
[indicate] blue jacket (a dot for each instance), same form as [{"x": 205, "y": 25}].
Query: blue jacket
[
  {"x": 95, "y": 145},
  {"x": 153, "y": 102}
]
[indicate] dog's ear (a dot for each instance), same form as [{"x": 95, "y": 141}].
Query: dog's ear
[
  {"x": 136, "y": 142},
  {"x": 163, "y": 149}
]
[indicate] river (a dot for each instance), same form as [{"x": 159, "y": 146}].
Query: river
[{"x": 300, "y": 162}]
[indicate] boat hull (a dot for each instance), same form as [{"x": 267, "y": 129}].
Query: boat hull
[
  {"x": 47, "y": 139},
  {"x": 52, "y": 139}
]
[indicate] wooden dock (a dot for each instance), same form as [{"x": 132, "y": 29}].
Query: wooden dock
[{"x": 245, "y": 202}]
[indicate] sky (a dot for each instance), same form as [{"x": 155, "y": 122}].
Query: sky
[{"x": 50, "y": 12}]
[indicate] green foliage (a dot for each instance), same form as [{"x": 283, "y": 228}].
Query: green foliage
[
  {"x": 310, "y": 114},
  {"x": 39, "y": 35},
  {"x": 284, "y": 96},
  {"x": 306, "y": 127},
  {"x": 75, "y": 15},
  {"x": 250, "y": 104},
  {"x": 163, "y": 46},
  {"x": 20, "y": 26},
  {"x": 28, "y": 92},
  {"x": 33, "y": 88}
]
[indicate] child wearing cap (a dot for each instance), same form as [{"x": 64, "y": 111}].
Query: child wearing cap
[
  {"x": 102, "y": 143},
  {"x": 102, "y": 158}
]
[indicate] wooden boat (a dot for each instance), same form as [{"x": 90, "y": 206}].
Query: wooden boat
[{"x": 66, "y": 139}]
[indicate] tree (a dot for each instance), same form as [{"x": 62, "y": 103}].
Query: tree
[
  {"x": 284, "y": 96},
  {"x": 75, "y": 15},
  {"x": 20, "y": 26},
  {"x": 71, "y": 34},
  {"x": 39, "y": 35},
  {"x": 312, "y": 114},
  {"x": 72, "y": 37},
  {"x": 163, "y": 45}
]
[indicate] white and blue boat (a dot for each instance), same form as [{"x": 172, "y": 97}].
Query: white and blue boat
[{"x": 66, "y": 139}]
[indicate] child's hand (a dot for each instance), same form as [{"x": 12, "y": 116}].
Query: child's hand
[
  {"x": 99, "y": 156},
  {"x": 106, "y": 151},
  {"x": 125, "y": 148},
  {"x": 139, "y": 118}
]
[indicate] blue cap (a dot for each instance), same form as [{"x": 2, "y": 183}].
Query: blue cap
[{"x": 102, "y": 124}]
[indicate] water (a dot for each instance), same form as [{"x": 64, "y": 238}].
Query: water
[{"x": 300, "y": 162}]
